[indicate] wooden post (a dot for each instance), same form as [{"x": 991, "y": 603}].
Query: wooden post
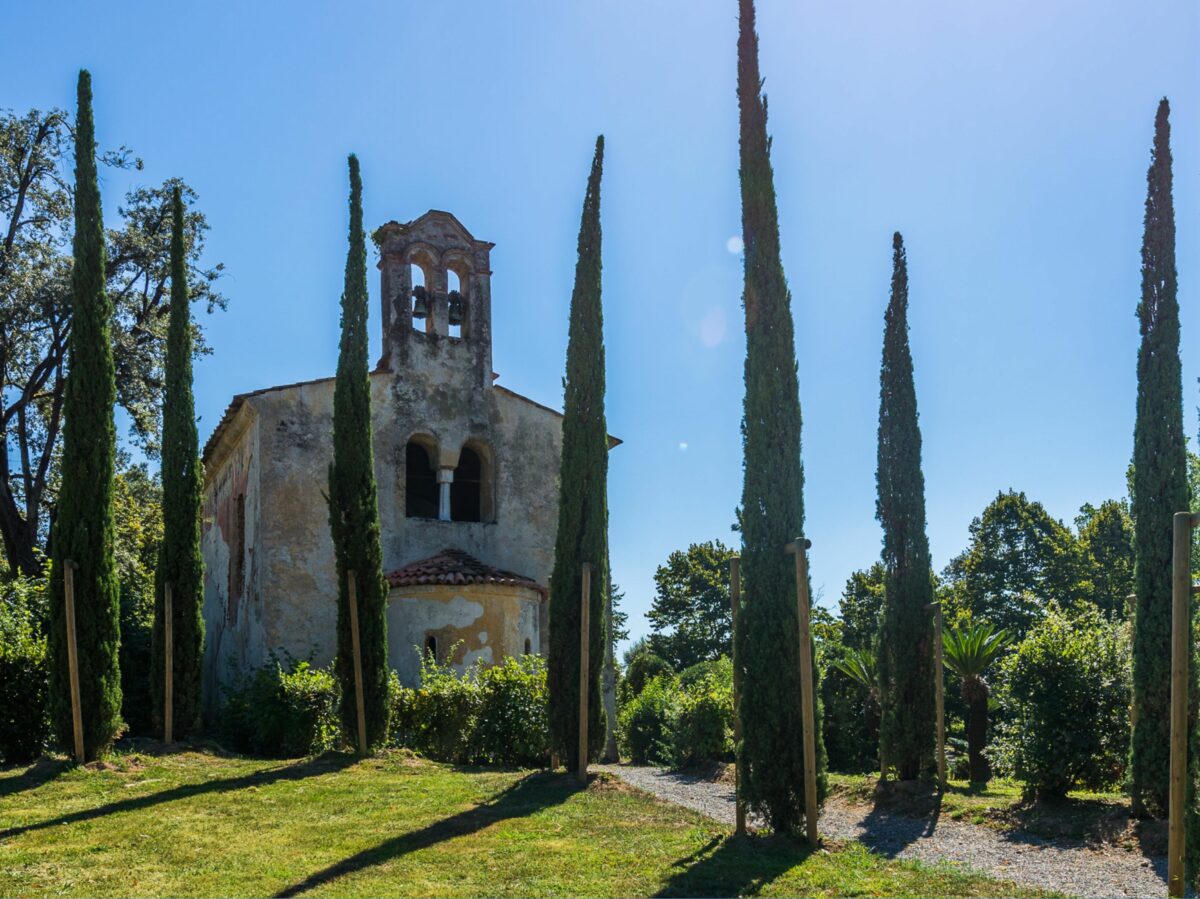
[
  {"x": 585, "y": 610},
  {"x": 168, "y": 666},
  {"x": 1181, "y": 589},
  {"x": 73, "y": 657},
  {"x": 360, "y": 704},
  {"x": 940, "y": 695},
  {"x": 800, "y": 549},
  {"x": 735, "y": 598}
]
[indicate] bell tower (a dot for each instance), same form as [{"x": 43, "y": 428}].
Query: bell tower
[{"x": 437, "y": 302}]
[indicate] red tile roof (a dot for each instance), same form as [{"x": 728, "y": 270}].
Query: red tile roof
[{"x": 453, "y": 566}]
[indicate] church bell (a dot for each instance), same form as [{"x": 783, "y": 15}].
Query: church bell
[
  {"x": 420, "y": 302},
  {"x": 456, "y": 308}
]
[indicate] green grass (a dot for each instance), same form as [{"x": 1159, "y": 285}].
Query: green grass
[{"x": 199, "y": 824}]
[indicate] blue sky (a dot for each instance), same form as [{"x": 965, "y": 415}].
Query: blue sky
[{"x": 1007, "y": 141}]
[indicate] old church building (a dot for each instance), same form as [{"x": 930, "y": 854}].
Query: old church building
[{"x": 467, "y": 474}]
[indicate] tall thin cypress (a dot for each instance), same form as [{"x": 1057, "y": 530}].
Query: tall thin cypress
[
  {"x": 772, "y": 495},
  {"x": 583, "y": 496},
  {"x": 905, "y": 653},
  {"x": 353, "y": 500},
  {"x": 83, "y": 529},
  {"x": 180, "y": 562},
  {"x": 1160, "y": 486}
]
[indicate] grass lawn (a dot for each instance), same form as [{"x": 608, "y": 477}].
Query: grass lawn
[{"x": 196, "y": 823}]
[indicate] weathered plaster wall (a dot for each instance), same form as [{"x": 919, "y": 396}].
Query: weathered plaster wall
[
  {"x": 477, "y": 621},
  {"x": 234, "y": 623}
]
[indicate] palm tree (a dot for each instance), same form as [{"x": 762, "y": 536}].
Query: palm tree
[
  {"x": 969, "y": 652},
  {"x": 859, "y": 665}
]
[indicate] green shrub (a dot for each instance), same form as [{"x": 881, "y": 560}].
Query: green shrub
[
  {"x": 643, "y": 667},
  {"x": 24, "y": 722},
  {"x": 702, "y": 728},
  {"x": 284, "y": 709},
  {"x": 438, "y": 717},
  {"x": 496, "y": 715},
  {"x": 1065, "y": 694},
  {"x": 646, "y": 723},
  {"x": 512, "y": 725}
]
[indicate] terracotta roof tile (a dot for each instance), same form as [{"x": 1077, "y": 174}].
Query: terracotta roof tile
[{"x": 453, "y": 566}]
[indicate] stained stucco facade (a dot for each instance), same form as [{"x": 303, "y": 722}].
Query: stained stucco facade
[{"x": 269, "y": 581}]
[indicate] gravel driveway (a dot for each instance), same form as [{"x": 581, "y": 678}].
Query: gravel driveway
[{"x": 1019, "y": 856}]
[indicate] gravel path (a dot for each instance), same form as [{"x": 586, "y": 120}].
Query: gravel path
[{"x": 1019, "y": 856}]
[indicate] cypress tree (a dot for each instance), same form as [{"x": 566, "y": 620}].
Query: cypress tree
[
  {"x": 583, "y": 498},
  {"x": 772, "y": 509},
  {"x": 180, "y": 562},
  {"x": 1160, "y": 486},
  {"x": 353, "y": 500},
  {"x": 905, "y": 654},
  {"x": 83, "y": 529}
]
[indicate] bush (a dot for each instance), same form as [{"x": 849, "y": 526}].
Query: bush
[
  {"x": 643, "y": 667},
  {"x": 645, "y": 723},
  {"x": 495, "y": 715},
  {"x": 512, "y": 725},
  {"x": 1065, "y": 693},
  {"x": 284, "y": 709},
  {"x": 438, "y": 717},
  {"x": 702, "y": 728},
  {"x": 24, "y": 723}
]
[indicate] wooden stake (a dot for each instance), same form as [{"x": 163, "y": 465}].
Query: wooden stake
[
  {"x": 1181, "y": 588},
  {"x": 169, "y": 666},
  {"x": 361, "y": 706},
  {"x": 939, "y": 693},
  {"x": 73, "y": 657},
  {"x": 735, "y": 597},
  {"x": 585, "y": 610},
  {"x": 800, "y": 549}
]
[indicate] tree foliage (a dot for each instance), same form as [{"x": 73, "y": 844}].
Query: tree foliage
[
  {"x": 860, "y": 605},
  {"x": 905, "y": 653},
  {"x": 690, "y": 615},
  {"x": 1019, "y": 558},
  {"x": 1106, "y": 540},
  {"x": 353, "y": 500},
  {"x": 1160, "y": 487},
  {"x": 36, "y": 226},
  {"x": 582, "y": 535},
  {"x": 772, "y": 508},
  {"x": 84, "y": 528}
]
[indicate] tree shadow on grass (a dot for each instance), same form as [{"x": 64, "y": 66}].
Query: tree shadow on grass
[
  {"x": 324, "y": 764},
  {"x": 40, "y": 772},
  {"x": 525, "y": 797},
  {"x": 734, "y": 866},
  {"x": 902, "y": 814}
]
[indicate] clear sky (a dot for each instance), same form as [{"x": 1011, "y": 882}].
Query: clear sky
[{"x": 1007, "y": 141}]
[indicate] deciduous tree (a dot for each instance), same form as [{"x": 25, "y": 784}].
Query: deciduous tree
[
  {"x": 690, "y": 614},
  {"x": 36, "y": 226}
]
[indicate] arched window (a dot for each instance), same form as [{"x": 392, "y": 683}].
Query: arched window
[
  {"x": 471, "y": 493},
  {"x": 420, "y": 300},
  {"x": 420, "y": 481},
  {"x": 456, "y": 305},
  {"x": 431, "y": 646},
  {"x": 528, "y": 646}
]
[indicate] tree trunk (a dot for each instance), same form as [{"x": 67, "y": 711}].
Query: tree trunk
[{"x": 977, "y": 727}]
